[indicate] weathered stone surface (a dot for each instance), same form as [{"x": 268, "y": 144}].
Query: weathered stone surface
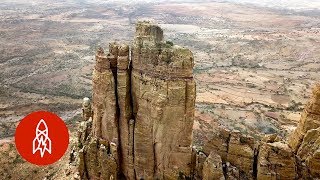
[
  {"x": 98, "y": 134},
  {"x": 219, "y": 143},
  {"x": 270, "y": 138},
  {"x": 139, "y": 125},
  {"x": 241, "y": 152},
  {"x": 309, "y": 151},
  {"x": 276, "y": 161},
  {"x": 102, "y": 64},
  {"x": 125, "y": 110},
  {"x": 108, "y": 166},
  {"x": 84, "y": 131},
  {"x": 200, "y": 159},
  {"x": 143, "y": 111},
  {"x": 310, "y": 119},
  {"x": 163, "y": 95},
  {"x": 86, "y": 109},
  {"x": 237, "y": 149},
  {"x": 305, "y": 139},
  {"x": 212, "y": 168},
  {"x": 105, "y": 120},
  {"x": 95, "y": 162},
  {"x": 233, "y": 173}
]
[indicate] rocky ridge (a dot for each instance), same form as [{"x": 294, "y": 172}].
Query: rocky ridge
[
  {"x": 242, "y": 157},
  {"x": 140, "y": 125}
]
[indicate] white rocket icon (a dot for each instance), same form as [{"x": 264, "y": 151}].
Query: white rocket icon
[{"x": 41, "y": 142}]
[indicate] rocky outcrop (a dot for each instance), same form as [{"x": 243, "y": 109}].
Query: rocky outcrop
[
  {"x": 86, "y": 109},
  {"x": 236, "y": 149},
  {"x": 305, "y": 140},
  {"x": 139, "y": 124},
  {"x": 163, "y": 93},
  {"x": 310, "y": 119},
  {"x": 271, "y": 158},
  {"x": 219, "y": 143},
  {"x": 309, "y": 152},
  {"x": 276, "y": 161},
  {"x": 246, "y": 158},
  {"x": 212, "y": 168},
  {"x": 241, "y": 151},
  {"x": 143, "y": 111}
]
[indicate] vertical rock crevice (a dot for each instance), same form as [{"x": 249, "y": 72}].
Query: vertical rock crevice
[
  {"x": 255, "y": 162},
  {"x": 140, "y": 124},
  {"x": 271, "y": 157},
  {"x": 143, "y": 110}
]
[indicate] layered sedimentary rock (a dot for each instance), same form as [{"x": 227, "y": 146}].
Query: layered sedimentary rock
[
  {"x": 105, "y": 119},
  {"x": 309, "y": 153},
  {"x": 219, "y": 143},
  {"x": 245, "y": 158},
  {"x": 139, "y": 124},
  {"x": 237, "y": 149},
  {"x": 143, "y": 111},
  {"x": 212, "y": 168},
  {"x": 98, "y": 136},
  {"x": 310, "y": 119},
  {"x": 241, "y": 152},
  {"x": 276, "y": 161},
  {"x": 305, "y": 140},
  {"x": 163, "y": 93}
]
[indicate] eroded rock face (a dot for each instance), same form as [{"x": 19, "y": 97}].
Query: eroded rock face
[
  {"x": 309, "y": 120},
  {"x": 241, "y": 152},
  {"x": 309, "y": 152},
  {"x": 163, "y": 93},
  {"x": 143, "y": 111},
  {"x": 305, "y": 140},
  {"x": 271, "y": 158},
  {"x": 236, "y": 149},
  {"x": 86, "y": 109},
  {"x": 139, "y": 124},
  {"x": 219, "y": 143},
  {"x": 276, "y": 161},
  {"x": 212, "y": 168}
]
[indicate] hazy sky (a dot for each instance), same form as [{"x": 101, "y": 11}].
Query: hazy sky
[
  {"x": 286, "y": 4},
  {"x": 281, "y": 4}
]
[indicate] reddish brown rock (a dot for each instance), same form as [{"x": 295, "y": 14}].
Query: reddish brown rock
[
  {"x": 143, "y": 111},
  {"x": 219, "y": 143},
  {"x": 163, "y": 93},
  {"x": 276, "y": 161},
  {"x": 309, "y": 152},
  {"x": 212, "y": 168},
  {"x": 310, "y": 119},
  {"x": 125, "y": 110},
  {"x": 139, "y": 125},
  {"x": 241, "y": 152}
]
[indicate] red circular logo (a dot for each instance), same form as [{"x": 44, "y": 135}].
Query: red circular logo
[{"x": 42, "y": 138}]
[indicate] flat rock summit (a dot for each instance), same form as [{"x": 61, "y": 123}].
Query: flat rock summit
[{"x": 139, "y": 124}]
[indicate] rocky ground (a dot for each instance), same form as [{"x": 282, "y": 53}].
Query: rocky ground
[{"x": 254, "y": 63}]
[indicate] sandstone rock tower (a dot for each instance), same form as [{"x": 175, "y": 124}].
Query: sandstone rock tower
[
  {"x": 139, "y": 124},
  {"x": 143, "y": 111}
]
